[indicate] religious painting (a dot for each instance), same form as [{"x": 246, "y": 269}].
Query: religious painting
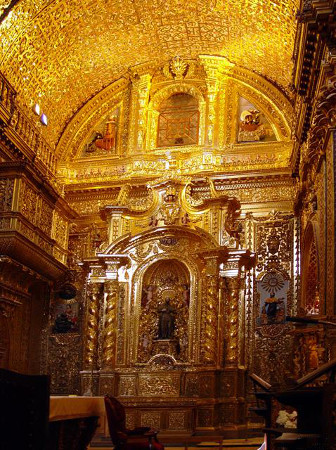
[
  {"x": 178, "y": 121},
  {"x": 104, "y": 139},
  {"x": 252, "y": 124},
  {"x": 65, "y": 308},
  {"x": 273, "y": 289}
]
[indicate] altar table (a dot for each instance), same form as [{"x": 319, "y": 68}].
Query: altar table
[
  {"x": 64, "y": 407},
  {"x": 74, "y": 420}
]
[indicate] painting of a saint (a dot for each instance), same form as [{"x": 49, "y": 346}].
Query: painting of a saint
[
  {"x": 273, "y": 299},
  {"x": 65, "y": 318},
  {"x": 103, "y": 139},
  {"x": 252, "y": 124}
]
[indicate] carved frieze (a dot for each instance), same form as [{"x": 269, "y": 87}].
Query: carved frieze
[
  {"x": 127, "y": 386},
  {"x": 160, "y": 384},
  {"x": 177, "y": 420},
  {"x": 64, "y": 362},
  {"x": 6, "y": 193},
  {"x": 200, "y": 385},
  {"x": 150, "y": 419}
]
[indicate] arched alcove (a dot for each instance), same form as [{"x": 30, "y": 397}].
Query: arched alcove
[
  {"x": 164, "y": 311},
  {"x": 178, "y": 121}
]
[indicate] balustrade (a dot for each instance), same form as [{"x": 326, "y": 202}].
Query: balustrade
[{"x": 27, "y": 131}]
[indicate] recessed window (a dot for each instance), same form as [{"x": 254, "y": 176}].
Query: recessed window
[
  {"x": 44, "y": 119},
  {"x": 37, "y": 109},
  {"x": 178, "y": 121}
]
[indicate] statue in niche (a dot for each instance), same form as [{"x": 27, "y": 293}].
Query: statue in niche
[
  {"x": 273, "y": 299},
  {"x": 274, "y": 309},
  {"x": 166, "y": 320}
]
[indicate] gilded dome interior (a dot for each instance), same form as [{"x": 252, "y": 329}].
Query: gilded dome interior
[{"x": 61, "y": 53}]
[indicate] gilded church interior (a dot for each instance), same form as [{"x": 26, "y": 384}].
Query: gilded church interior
[{"x": 167, "y": 198}]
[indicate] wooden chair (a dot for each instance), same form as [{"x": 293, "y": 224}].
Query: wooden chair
[
  {"x": 122, "y": 438},
  {"x": 24, "y": 415}
]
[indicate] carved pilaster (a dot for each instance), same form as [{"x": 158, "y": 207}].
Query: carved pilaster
[
  {"x": 114, "y": 216},
  {"x": 91, "y": 351},
  {"x": 139, "y": 100},
  {"x": 211, "y": 68},
  {"x": 215, "y": 68}
]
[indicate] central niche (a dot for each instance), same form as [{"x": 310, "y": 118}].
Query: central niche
[
  {"x": 164, "y": 315},
  {"x": 178, "y": 121}
]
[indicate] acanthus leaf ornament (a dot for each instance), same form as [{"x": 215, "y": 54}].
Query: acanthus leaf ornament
[{"x": 176, "y": 68}]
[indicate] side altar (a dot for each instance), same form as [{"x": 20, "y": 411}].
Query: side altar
[{"x": 165, "y": 311}]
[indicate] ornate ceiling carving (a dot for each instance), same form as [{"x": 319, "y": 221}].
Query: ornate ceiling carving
[{"x": 61, "y": 53}]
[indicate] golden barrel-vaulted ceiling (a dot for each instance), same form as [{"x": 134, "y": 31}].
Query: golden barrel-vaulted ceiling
[{"x": 61, "y": 52}]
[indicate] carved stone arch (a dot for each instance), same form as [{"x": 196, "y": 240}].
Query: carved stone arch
[
  {"x": 162, "y": 95},
  {"x": 175, "y": 88},
  {"x": 127, "y": 243},
  {"x": 310, "y": 297}
]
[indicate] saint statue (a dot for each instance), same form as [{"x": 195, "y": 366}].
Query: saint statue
[
  {"x": 166, "y": 320},
  {"x": 275, "y": 309},
  {"x": 271, "y": 304}
]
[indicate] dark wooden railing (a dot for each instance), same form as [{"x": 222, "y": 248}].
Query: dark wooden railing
[{"x": 315, "y": 406}]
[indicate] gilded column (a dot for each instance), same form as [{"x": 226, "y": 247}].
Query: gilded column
[
  {"x": 210, "y": 311},
  {"x": 91, "y": 351},
  {"x": 143, "y": 90},
  {"x": 111, "y": 288},
  {"x": 107, "y": 384},
  {"x": 221, "y": 322},
  {"x": 233, "y": 287}
]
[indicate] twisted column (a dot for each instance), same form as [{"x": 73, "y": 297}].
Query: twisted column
[
  {"x": 91, "y": 351},
  {"x": 110, "y": 325},
  {"x": 233, "y": 285},
  {"x": 210, "y": 312}
]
